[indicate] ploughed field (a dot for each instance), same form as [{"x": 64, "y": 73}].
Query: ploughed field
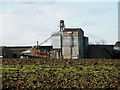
[{"x": 44, "y": 73}]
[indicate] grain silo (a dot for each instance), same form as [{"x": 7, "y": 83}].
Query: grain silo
[
  {"x": 74, "y": 43},
  {"x": 69, "y": 43},
  {"x": 56, "y": 46},
  {"x": 57, "y": 42}
]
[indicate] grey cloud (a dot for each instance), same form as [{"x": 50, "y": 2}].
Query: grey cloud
[{"x": 87, "y": 23}]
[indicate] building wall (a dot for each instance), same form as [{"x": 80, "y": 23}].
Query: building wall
[
  {"x": 117, "y": 48},
  {"x": 55, "y": 54},
  {"x": 12, "y": 52},
  {"x": 77, "y": 42},
  {"x": 117, "y": 45},
  {"x": 67, "y": 42},
  {"x": 100, "y": 51},
  {"x": 81, "y": 44},
  {"x": 56, "y": 41},
  {"x": 85, "y": 47},
  {"x": 6, "y": 53},
  {"x": 39, "y": 53},
  {"x": 18, "y": 50},
  {"x": 1, "y": 55},
  {"x": 66, "y": 52}
]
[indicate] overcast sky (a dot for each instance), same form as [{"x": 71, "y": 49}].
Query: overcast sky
[{"x": 26, "y": 23}]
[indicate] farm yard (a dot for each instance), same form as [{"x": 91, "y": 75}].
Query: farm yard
[{"x": 58, "y": 73}]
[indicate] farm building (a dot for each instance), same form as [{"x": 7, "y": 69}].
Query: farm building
[
  {"x": 23, "y": 51},
  {"x": 37, "y": 52},
  {"x": 101, "y": 51},
  {"x": 68, "y": 43},
  {"x": 117, "y": 45},
  {"x": 74, "y": 44},
  {"x": 12, "y": 51}
]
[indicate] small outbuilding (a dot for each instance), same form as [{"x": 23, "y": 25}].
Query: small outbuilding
[{"x": 117, "y": 45}]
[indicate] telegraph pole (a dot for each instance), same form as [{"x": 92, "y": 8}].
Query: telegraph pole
[
  {"x": 61, "y": 28},
  {"x": 37, "y": 43},
  {"x": 72, "y": 44},
  {"x": 37, "y": 48}
]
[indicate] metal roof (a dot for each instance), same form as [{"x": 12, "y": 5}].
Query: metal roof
[
  {"x": 117, "y": 44},
  {"x": 72, "y": 29}
]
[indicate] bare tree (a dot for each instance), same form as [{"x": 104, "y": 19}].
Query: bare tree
[
  {"x": 103, "y": 42},
  {"x": 97, "y": 42}
]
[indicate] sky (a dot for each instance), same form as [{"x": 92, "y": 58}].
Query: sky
[
  {"x": 119, "y": 21},
  {"x": 25, "y": 23}
]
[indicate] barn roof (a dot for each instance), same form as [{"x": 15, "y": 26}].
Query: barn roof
[
  {"x": 72, "y": 29},
  {"x": 117, "y": 44}
]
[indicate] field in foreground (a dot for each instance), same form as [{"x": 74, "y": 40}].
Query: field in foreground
[{"x": 42, "y": 73}]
